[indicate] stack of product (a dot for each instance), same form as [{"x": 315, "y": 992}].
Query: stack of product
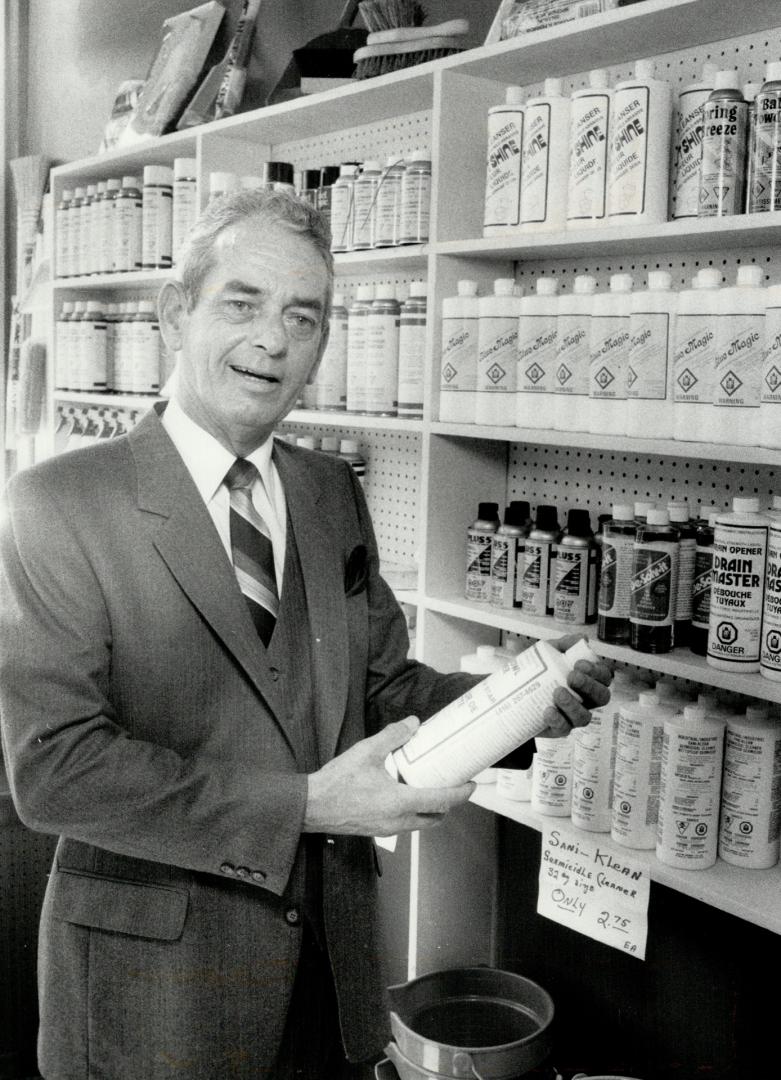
[{"x": 376, "y": 207}]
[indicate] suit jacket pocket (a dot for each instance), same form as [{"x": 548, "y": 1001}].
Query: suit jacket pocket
[{"x": 125, "y": 907}]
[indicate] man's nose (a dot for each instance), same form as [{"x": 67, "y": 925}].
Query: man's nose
[{"x": 268, "y": 333}]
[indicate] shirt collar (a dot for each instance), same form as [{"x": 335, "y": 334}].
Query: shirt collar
[{"x": 206, "y": 459}]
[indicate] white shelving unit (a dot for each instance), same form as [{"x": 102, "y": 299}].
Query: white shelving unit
[{"x": 425, "y": 477}]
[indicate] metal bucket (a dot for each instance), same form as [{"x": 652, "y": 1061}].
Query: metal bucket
[{"x": 472, "y": 1023}]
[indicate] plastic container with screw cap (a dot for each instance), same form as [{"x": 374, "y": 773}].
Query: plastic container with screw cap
[
  {"x": 573, "y": 356},
  {"x": 496, "y": 362},
  {"x": 62, "y": 235},
  {"x": 751, "y": 91},
  {"x": 103, "y": 237},
  {"x": 544, "y": 176},
  {"x": 701, "y": 586},
  {"x": 127, "y": 226},
  {"x": 591, "y": 112},
  {"x": 535, "y": 401},
  {"x": 649, "y": 383},
  {"x": 684, "y": 582},
  {"x": 770, "y": 655},
  {"x": 751, "y": 792},
  {"x": 694, "y": 355},
  {"x": 740, "y": 346},
  {"x": 502, "y": 207},
  {"x": 388, "y": 206},
  {"x": 412, "y": 350},
  {"x": 156, "y": 217},
  {"x": 460, "y": 346},
  {"x": 575, "y": 580},
  {"x": 770, "y": 400},
  {"x": 609, "y": 345},
  {"x": 616, "y": 575},
  {"x": 687, "y": 145},
  {"x": 185, "y": 204},
  {"x": 652, "y": 589},
  {"x": 638, "y": 771},
  {"x": 415, "y": 211},
  {"x": 507, "y": 542}
]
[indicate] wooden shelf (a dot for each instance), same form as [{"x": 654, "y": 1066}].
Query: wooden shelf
[{"x": 748, "y": 894}]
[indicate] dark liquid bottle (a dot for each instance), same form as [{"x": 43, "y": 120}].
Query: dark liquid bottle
[
  {"x": 654, "y": 571},
  {"x": 703, "y": 569},
  {"x": 618, "y": 537}
]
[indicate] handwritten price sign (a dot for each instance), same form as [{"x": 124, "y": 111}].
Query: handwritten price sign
[{"x": 585, "y": 885}]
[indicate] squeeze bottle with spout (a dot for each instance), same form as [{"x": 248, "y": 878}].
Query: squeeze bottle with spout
[
  {"x": 496, "y": 360},
  {"x": 694, "y": 355},
  {"x": 502, "y": 210},
  {"x": 458, "y": 368},
  {"x": 740, "y": 346},
  {"x": 591, "y": 111},
  {"x": 537, "y": 336},
  {"x": 545, "y": 157},
  {"x": 573, "y": 356},
  {"x": 610, "y": 315},
  {"x": 687, "y": 145},
  {"x": 649, "y": 384}
]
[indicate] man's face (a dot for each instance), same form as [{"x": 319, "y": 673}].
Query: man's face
[{"x": 254, "y": 337}]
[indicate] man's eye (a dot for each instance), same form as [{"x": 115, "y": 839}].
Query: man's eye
[
  {"x": 239, "y": 307},
  {"x": 303, "y": 324}
]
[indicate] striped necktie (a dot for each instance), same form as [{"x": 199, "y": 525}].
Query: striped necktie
[{"x": 253, "y": 555}]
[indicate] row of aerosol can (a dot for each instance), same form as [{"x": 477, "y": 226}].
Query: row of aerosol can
[
  {"x": 603, "y": 155},
  {"x": 373, "y": 361},
  {"x": 653, "y": 578},
  {"x": 700, "y": 364},
  {"x": 693, "y": 778}
]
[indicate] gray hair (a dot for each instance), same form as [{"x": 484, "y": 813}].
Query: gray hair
[{"x": 196, "y": 258}]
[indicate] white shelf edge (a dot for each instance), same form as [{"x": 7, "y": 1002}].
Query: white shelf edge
[
  {"x": 319, "y": 418},
  {"x": 377, "y": 258},
  {"x": 133, "y": 279},
  {"x": 108, "y": 401},
  {"x": 749, "y": 894},
  {"x": 679, "y": 662}
]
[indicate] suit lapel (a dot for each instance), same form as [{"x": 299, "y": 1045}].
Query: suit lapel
[
  {"x": 191, "y": 548},
  {"x": 322, "y": 570}
]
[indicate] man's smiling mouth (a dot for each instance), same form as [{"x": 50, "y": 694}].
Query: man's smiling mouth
[{"x": 257, "y": 375}]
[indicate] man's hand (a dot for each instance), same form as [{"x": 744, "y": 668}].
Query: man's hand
[
  {"x": 589, "y": 681},
  {"x": 354, "y": 794}
]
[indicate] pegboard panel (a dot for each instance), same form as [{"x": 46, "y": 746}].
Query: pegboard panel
[
  {"x": 594, "y": 479},
  {"x": 348, "y": 283},
  {"x": 391, "y": 484},
  {"x": 375, "y": 141}
]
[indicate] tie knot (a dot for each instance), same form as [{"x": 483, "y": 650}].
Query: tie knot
[{"x": 241, "y": 474}]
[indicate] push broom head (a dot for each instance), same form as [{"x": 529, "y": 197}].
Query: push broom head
[
  {"x": 29, "y": 175},
  {"x": 388, "y": 14}
]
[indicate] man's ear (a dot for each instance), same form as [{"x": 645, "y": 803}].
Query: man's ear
[{"x": 172, "y": 313}]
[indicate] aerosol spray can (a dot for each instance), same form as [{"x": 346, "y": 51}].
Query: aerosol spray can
[
  {"x": 506, "y": 553},
  {"x": 723, "y": 165},
  {"x": 538, "y": 562},
  {"x": 479, "y": 538},
  {"x": 765, "y": 164},
  {"x": 575, "y": 582}
]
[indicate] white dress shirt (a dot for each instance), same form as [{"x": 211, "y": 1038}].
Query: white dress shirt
[{"x": 208, "y": 461}]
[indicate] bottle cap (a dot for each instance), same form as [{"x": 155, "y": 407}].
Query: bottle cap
[
  {"x": 521, "y": 508},
  {"x": 621, "y": 283},
  {"x": 277, "y": 172},
  {"x": 514, "y": 516},
  {"x": 581, "y": 650},
  {"x": 467, "y": 288},
  {"x": 310, "y": 178},
  {"x": 338, "y": 300},
  {"x": 385, "y": 292},
  {"x": 579, "y": 522},
  {"x": 94, "y": 306},
  {"x": 421, "y": 156},
  {"x": 658, "y": 517},
  {"x": 348, "y": 446},
  {"x": 750, "y": 90},
  {"x": 364, "y": 292},
  {"x": 709, "y": 278},
  {"x": 348, "y": 170},
  {"x": 745, "y": 505},
  {"x": 101, "y": 187},
  {"x": 642, "y": 508},
  {"x": 503, "y": 287},
  {"x": 306, "y": 441},
  {"x": 371, "y": 167},
  {"x": 329, "y": 444},
  {"x": 773, "y": 71},
  {"x": 127, "y": 182},
  {"x": 749, "y": 275},
  {"x": 158, "y": 174},
  {"x": 775, "y": 502},
  {"x": 328, "y": 174},
  {"x": 547, "y": 519},
  {"x": 185, "y": 168},
  {"x": 552, "y": 88},
  {"x": 547, "y": 286},
  {"x": 623, "y": 512},
  {"x": 597, "y": 78},
  {"x": 726, "y": 79},
  {"x": 67, "y": 307},
  {"x": 645, "y": 68},
  {"x": 584, "y": 285},
  {"x": 648, "y": 698},
  {"x": 659, "y": 280},
  {"x": 488, "y": 511},
  {"x": 485, "y": 652},
  {"x": 678, "y": 512},
  {"x": 757, "y": 712},
  {"x": 394, "y": 161},
  {"x": 713, "y": 516},
  {"x": 251, "y": 183},
  {"x": 694, "y": 712},
  {"x": 418, "y": 288},
  {"x": 114, "y": 184},
  {"x": 67, "y": 195},
  {"x": 513, "y": 95},
  {"x": 90, "y": 191}
]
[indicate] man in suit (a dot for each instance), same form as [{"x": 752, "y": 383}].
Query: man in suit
[{"x": 201, "y": 675}]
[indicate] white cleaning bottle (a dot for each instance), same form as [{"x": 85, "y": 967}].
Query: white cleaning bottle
[
  {"x": 535, "y": 402},
  {"x": 502, "y": 209},
  {"x": 694, "y": 355},
  {"x": 770, "y": 400},
  {"x": 551, "y": 793},
  {"x": 573, "y": 355},
  {"x": 458, "y": 369},
  {"x": 638, "y": 173},
  {"x": 740, "y": 345},
  {"x": 649, "y": 384},
  {"x": 638, "y": 769},
  {"x": 591, "y": 110},
  {"x": 609, "y": 355},
  {"x": 545, "y": 158},
  {"x": 496, "y": 361},
  {"x": 687, "y": 146},
  {"x": 751, "y": 792}
]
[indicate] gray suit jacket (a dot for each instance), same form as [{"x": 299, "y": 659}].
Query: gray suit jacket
[{"x": 143, "y": 724}]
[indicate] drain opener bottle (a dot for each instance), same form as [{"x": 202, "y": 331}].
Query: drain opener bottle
[
  {"x": 687, "y": 145},
  {"x": 770, "y": 398},
  {"x": 690, "y": 790},
  {"x": 502, "y": 210},
  {"x": 479, "y": 539},
  {"x": 649, "y": 384},
  {"x": 535, "y": 403},
  {"x": 638, "y": 171},
  {"x": 610, "y": 315},
  {"x": 723, "y": 165},
  {"x": 575, "y": 581},
  {"x": 765, "y": 163},
  {"x": 618, "y": 541},
  {"x": 496, "y": 362},
  {"x": 539, "y": 563},
  {"x": 751, "y": 791},
  {"x": 701, "y": 586},
  {"x": 694, "y": 355},
  {"x": 490, "y": 720},
  {"x": 652, "y": 591},
  {"x": 458, "y": 369},
  {"x": 591, "y": 112},
  {"x": 506, "y": 551},
  {"x": 740, "y": 346},
  {"x": 770, "y": 655},
  {"x": 544, "y": 177},
  {"x": 573, "y": 355},
  {"x": 684, "y": 582},
  {"x": 738, "y": 587}
]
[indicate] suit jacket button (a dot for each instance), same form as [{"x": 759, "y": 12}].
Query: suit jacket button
[
  {"x": 274, "y": 673},
  {"x": 292, "y": 916},
  {"x": 242, "y": 872},
  {"x": 228, "y": 869},
  {"x": 258, "y": 875}
]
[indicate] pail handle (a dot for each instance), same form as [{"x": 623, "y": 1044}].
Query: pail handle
[{"x": 464, "y": 1061}]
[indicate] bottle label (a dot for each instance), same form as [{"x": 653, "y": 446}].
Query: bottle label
[
  {"x": 497, "y": 360},
  {"x": 503, "y": 173},
  {"x": 503, "y": 571},
  {"x": 386, "y": 225},
  {"x": 536, "y": 577},
  {"x": 536, "y": 353},
  {"x": 723, "y": 165},
  {"x": 588, "y": 157},
  {"x": 341, "y": 217},
  {"x": 687, "y": 549},
  {"x": 738, "y": 361},
  {"x": 766, "y": 176},
  {"x": 616, "y": 576},
  {"x": 701, "y": 586},
  {"x": 770, "y": 658},
  {"x": 415, "y": 207},
  {"x": 573, "y": 354},
  {"x": 478, "y": 566},
  {"x": 571, "y": 587},
  {"x": 609, "y": 355},
  {"x": 771, "y": 359},
  {"x": 412, "y": 351},
  {"x": 646, "y": 373},
  {"x": 652, "y": 598},
  {"x": 629, "y": 152},
  {"x": 737, "y": 592},
  {"x": 687, "y": 153},
  {"x": 331, "y": 381},
  {"x": 536, "y": 163},
  {"x": 459, "y": 356},
  {"x": 364, "y": 194},
  {"x": 694, "y": 358}
]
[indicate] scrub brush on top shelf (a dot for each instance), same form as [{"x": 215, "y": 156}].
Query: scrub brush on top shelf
[
  {"x": 392, "y": 50},
  {"x": 389, "y": 14}
]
